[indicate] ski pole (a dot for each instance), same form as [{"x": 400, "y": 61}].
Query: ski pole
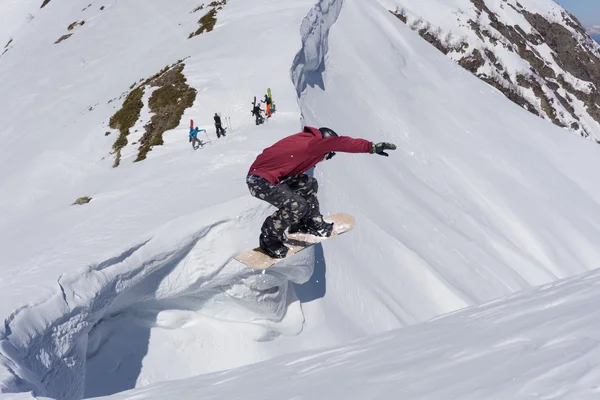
[{"x": 207, "y": 139}]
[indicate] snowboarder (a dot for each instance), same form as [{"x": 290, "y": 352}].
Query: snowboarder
[
  {"x": 220, "y": 130},
  {"x": 272, "y": 102},
  {"x": 194, "y": 137},
  {"x": 256, "y": 111},
  {"x": 278, "y": 177},
  {"x": 268, "y": 103}
]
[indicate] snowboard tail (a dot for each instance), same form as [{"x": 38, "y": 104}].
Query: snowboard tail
[{"x": 296, "y": 242}]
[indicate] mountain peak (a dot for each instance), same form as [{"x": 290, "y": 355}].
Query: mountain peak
[{"x": 535, "y": 52}]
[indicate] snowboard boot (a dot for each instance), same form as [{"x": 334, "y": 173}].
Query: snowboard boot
[
  {"x": 273, "y": 247},
  {"x": 320, "y": 229}
]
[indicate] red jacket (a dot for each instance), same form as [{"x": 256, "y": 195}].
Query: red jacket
[{"x": 296, "y": 154}]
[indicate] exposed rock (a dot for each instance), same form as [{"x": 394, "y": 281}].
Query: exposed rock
[
  {"x": 400, "y": 14},
  {"x": 434, "y": 40},
  {"x": 563, "y": 61},
  {"x": 472, "y": 62},
  {"x": 82, "y": 200}
]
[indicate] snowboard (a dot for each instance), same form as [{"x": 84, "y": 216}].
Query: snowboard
[
  {"x": 271, "y": 98},
  {"x": 296, "y": 242}
]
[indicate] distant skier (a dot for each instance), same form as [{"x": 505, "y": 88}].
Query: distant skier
[
  {"x": 256, "y": 111},
  {"x": 278, "y": 177},
  {"x": 268, "y": 103},
  {"x": 218, "y": 126},
  {"x": 194, "y": 138}
]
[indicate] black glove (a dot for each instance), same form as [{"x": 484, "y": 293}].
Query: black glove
[{"x": 378, "y": 148}]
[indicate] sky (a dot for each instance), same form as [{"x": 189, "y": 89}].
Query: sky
[{"x": 587, "y": 11}]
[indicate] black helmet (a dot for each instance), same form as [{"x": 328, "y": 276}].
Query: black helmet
[{"x": 326, "y": 132}]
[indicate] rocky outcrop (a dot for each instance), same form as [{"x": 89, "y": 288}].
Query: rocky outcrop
[{"x": 558, "y": 77}]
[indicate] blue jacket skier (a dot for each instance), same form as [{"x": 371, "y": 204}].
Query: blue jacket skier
[{"x": 194, "y": 137}]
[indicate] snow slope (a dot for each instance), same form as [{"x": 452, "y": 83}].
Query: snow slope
[
  {"x": 480, "y": 200},
  {"x": 480, "y": 194},
  {"x": 538, "y": 344},
  {"x": 461, "y": 21},
  {"x": 91, "y": 262}
]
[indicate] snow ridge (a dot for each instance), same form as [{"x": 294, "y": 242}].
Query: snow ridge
[
  {"x": 56, "y": 352},
  {"x": 534, "y": 52},
  {"x": 309, "y": 63},
  {"x": 45, "y": 347}
]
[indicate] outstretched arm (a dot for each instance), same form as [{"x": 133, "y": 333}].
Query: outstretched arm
[
  {"x": 342, "y": 144},
  {"x": 345, "y": 144}
]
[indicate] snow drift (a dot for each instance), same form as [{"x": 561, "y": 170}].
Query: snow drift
[
  {"x": 540, "y": 343},
  {"x": 309, "y": 63}
]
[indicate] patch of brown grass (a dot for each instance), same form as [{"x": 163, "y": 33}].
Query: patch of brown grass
[
  {"x": 124, "y": 119},
  {"x": 208, "y": 20},
  {"x": 63, "y": 37},
  {"x": 75, "y": 24},
  {"x": 167, "y": 104},
  {"x": 129, "y": 113}
]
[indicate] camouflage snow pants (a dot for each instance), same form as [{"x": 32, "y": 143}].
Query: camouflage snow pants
[{"x": 296, "y": 200}]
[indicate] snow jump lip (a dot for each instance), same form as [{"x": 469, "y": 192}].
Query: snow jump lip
[
  {"x": 45, "y": 348},
  {"x": 53, "y": 352}
]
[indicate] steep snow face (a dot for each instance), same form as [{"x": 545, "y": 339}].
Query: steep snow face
[
  {"x": 481, "y": 198},
  {"x": 541, "y": 343},
  {"x": 309, "y": 63},
  {"x": 533, "y": 51},
  {"x": 13, "y": 16}
]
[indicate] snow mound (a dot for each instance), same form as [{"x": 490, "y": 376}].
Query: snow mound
[
  {"x": 541, "y": 343},
  {"x": 172, "y": 280}
]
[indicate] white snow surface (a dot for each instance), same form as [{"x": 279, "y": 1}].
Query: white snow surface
[
  {"x": 538, "y": 344},
  {"x": 453, "y": 17},
  {"x": 481, "y": 199}
]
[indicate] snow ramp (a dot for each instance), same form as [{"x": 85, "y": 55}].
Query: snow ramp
[{"x": 178, "y": 276}]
